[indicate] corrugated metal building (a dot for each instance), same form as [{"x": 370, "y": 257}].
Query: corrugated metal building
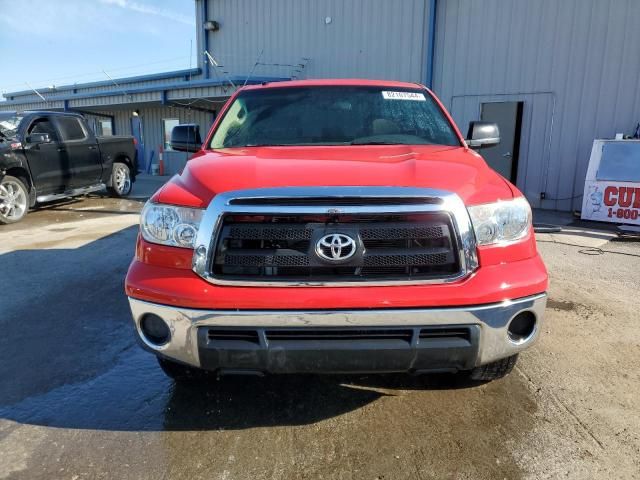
[
  {"x": 574, "y": 63},
  {"x": 555, "y": 74},
  {"x": 381, "y": 39}
]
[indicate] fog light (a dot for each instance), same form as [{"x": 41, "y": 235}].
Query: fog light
[
  {"x": 521, "y": 328},
  {"x": 155, "y": 329}
]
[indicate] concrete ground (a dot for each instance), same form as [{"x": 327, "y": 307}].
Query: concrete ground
[{"x": 79, "y": 399}]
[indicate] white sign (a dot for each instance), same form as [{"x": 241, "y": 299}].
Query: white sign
[
  {"x": 612, "y": 184},
  {"x": 617, "y": 202},
  {"x": 415, "y": 96}
]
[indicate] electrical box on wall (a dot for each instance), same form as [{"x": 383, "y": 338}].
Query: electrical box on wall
[{"x": 211, "y": 26}]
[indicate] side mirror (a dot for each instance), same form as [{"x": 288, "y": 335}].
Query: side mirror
[
  {"x": 483, "y": 134},
  {"x": 186, "y": 138},
  {"x": 37, "y": 138}
]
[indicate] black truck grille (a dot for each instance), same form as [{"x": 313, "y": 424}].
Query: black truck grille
[{"x": 413, "y": 246}]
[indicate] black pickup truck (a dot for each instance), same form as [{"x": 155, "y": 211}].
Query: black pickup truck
[{"x": 46, "y": 156}]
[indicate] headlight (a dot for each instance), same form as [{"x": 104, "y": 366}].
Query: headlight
[
  {"x": 501, "y": 221},
  {"x": 169, "y": 225}
]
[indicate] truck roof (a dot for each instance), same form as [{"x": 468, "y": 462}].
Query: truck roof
[{"x": 360, "y": 82}]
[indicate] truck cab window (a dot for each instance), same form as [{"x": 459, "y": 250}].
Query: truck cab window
[
  {"x": 71, "y": 129},
  {"x": 43, "y": 125}
]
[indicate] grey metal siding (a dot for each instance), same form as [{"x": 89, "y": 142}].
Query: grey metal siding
[
  {"x": 36, "y": 105},
  {"x": 152, "y": 126},
  {"x": 384, "y": 39},
  {"x": 200, "y": 92},
  {"x": 575, "y": 64}
]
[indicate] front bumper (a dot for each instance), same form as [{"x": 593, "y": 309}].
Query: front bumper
[{"x": 288, "y": 341}]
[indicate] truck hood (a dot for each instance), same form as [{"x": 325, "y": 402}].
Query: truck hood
[{"x": 455, "y": 169}]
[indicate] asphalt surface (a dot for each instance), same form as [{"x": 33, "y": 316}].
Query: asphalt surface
[{"x": 79, "y": 399}]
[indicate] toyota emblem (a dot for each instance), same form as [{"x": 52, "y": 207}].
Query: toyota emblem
[{"x": 336, "y": 247}]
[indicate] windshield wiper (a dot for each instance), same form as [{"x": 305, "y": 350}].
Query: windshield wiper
[{"x": 375, "y": 142}]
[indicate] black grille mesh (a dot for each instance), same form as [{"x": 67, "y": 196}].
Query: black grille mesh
[
  {"x": 393, "y": 233},
  {"x": 282, "y": 248},
  {"x": 425, "y": 259},
  {"x": 267, "y": 260},
  {"x": 281, "y": 232}
]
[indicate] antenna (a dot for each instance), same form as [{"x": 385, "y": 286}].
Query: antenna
[
  {"x": 114, "y": 82},
  {"x": 215, "y": 64},
  {"x": 36, "y": 91},
  {"x": 254, "y": 67}
]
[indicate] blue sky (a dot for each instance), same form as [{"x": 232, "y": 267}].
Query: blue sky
[{"x": 62, "y": 42}]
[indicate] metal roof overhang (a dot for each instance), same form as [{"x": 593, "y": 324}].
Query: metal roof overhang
[
  {"x": 185, "y": 74},
  {"x": 154, "y": 94}
]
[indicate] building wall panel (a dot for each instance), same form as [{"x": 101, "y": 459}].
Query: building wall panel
[
  {"x": 573, "y": 62},
  {"x": 383, "y": 39}
]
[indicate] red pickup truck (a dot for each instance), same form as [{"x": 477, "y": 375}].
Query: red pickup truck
[{"x": 336, "y": 226}]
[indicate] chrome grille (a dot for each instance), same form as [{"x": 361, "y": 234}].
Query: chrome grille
[{"x": 268, "y": 236}]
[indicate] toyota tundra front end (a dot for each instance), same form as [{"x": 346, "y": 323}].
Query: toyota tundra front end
[{"x": 337, "y": 226}]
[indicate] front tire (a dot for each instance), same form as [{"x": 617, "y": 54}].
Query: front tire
[
  {"x": 179, "y": 372},
  {"x": 14, "y": 200},
  {"x": 120, "y": 180},
  {"x": 494, "y": 370}
]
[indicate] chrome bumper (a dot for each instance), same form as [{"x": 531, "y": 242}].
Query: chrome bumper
[{"x": 492, "y": 319}]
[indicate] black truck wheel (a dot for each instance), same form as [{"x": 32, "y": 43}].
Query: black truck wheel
[
  {"x": 120, "y": 180},
  {"x": 14, "y": 200},
  {"x": 494, "y": 370},
  {"x": 179, "y": 372}
]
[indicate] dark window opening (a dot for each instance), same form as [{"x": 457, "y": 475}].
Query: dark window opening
[
  {"x": 71, "y": 128},
  {"x": 43, "y": 125}
]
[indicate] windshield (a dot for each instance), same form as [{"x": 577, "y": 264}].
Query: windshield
[
  {"x": 333, "y": 116},
  {"x": 9, "y": 125}
]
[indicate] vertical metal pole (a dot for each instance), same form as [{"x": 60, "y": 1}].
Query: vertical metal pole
[
  {"x": 431, "y": 47},
  {"x": 205, "y": 34}
]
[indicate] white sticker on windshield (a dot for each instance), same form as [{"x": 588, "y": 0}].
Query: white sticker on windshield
[{"x": 415, "y": 96}]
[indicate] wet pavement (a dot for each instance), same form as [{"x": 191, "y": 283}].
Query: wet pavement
[{"x": 79, "y": 398}]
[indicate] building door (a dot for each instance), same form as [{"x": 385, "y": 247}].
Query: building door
[
  {"x": 503, "y": 158},
  {"x": 138, "y": 134}
]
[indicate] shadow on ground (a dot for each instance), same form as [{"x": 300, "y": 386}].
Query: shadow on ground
[
  {"x": 69, "y": 359},
  {"x": 135, "y": 396}
]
